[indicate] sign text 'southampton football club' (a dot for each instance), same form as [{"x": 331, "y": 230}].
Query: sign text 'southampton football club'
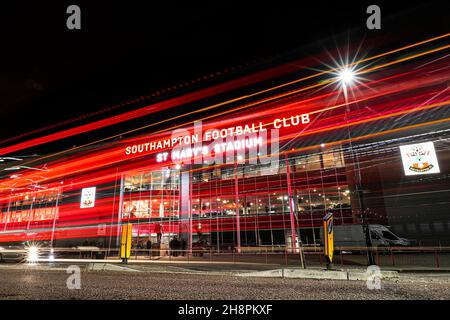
[{"x": 186, "y": 144}]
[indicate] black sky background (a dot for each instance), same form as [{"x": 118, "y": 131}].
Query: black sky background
[{"x": 131, "y": 48}]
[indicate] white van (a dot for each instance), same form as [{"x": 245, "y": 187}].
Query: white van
[{"x": 352, "y": 235}]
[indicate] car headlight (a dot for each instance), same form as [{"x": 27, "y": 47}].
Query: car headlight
[{"x": 33, "y": 254}]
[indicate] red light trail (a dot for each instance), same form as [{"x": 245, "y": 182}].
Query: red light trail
[{"x": 394, "y": 91}]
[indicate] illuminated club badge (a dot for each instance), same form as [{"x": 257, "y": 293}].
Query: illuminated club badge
[
  {"x": 419, "y": 158},
  {"x": 88, "y": 197}
]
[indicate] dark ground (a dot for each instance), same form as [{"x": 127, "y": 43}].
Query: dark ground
[{"x": 27, "y": 284}]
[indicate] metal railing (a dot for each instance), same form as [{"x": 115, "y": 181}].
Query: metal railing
[{"x": 435, "y": 258}]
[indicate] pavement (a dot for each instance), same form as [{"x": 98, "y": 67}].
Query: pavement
[
  {"x": 104, "y": 280},
  {"x": 35, "y": 283},
  {"x": 237, "y": 269}
]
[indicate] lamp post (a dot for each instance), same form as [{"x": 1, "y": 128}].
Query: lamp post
[{"x": 346, "y": 77}]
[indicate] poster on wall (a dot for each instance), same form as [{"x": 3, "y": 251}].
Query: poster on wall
[
  {"x": 87, "y": 197},
  {"x": 419, "y": 158}
]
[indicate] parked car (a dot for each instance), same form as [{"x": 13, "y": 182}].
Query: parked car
[{"x": 12, "y": 254}]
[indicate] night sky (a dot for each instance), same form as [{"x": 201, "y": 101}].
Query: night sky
[{"x": 127, "y": 49}]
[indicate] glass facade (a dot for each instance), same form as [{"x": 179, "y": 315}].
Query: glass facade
[
  {"x": 255, "y": 193},
  {"x": 254, "y": 199},
  {"x": 31, "y": 209}
]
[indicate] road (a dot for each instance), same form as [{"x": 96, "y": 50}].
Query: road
[{"x": 51, "y": 284}]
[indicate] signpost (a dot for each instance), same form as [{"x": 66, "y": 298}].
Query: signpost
[
  {"x": 125, "y": 245},
  {"x": 328, "y": 238}
]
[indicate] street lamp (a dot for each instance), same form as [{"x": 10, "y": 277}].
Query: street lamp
[{"x": 346, "y": 76}]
